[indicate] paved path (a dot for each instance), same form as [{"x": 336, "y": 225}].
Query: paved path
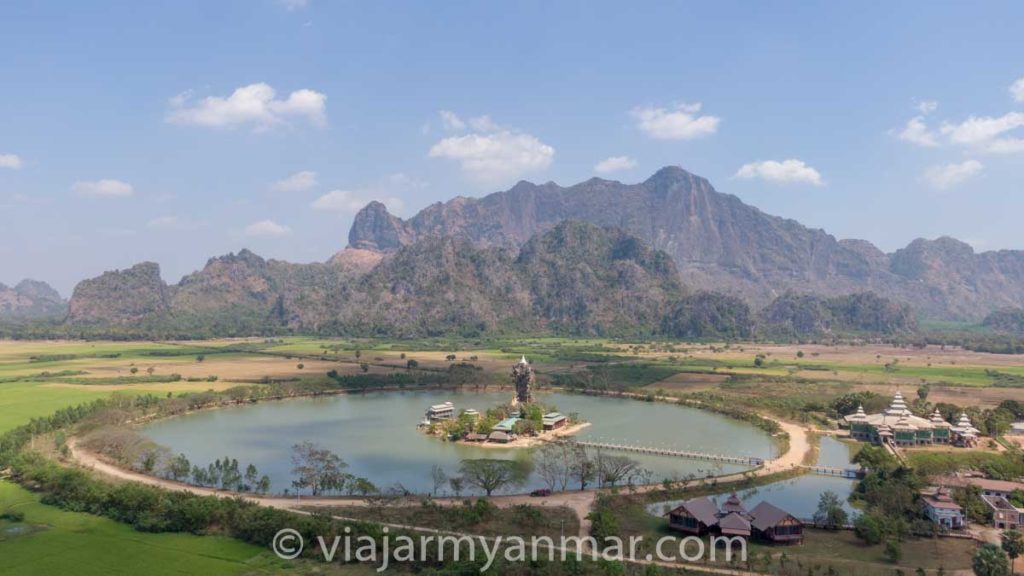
[{"x": 580, "y": 502}]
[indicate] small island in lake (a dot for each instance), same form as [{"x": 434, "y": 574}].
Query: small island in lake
[{"x": 520, "y": 423}]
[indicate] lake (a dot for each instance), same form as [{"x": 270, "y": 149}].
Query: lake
[{"x": 376, "y": 434}]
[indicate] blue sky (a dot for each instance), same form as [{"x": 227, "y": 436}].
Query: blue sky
[{"x": 177, "y": 131}]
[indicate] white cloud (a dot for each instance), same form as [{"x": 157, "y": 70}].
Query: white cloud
[
  {"x": 987, "y": 133},
  {"x": 926, "y": 107},
  {"x": 172, "y": 223},
  {"x": 785, "y": 172},
  {"x": 348, "y": 201},
  {"x": 451, "y": 121},
  {"x": 387, "y": 191},
  {"x": 267, "y": 229},
  {"x": 106, "y": 188},
  {"x": 490, "y": 153},
  {"x": 163, "y": 223},
  {"x": 949, "y": 175},
  {"x": 12, "y": 161},
  {"x": 298, "y": 182},
  {"x": 917, "y": 132},
  {"x": 614, "y": 164},
  {"x": 254, "y": 105},
  {"x": 1017, "y": 89},
  {"x": 293, "y": 4},
  {"x": 681, "y": 123}
]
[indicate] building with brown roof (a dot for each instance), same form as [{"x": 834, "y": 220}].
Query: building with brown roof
[
  {"x": 774, "y": 524},
  {"x": 700, "y": 516},
  {"x": 695, "y": 516},
  {"x": 940, "y": 508}
]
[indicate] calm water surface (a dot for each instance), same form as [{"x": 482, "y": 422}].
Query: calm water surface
[{"x": 376, "y": 434}]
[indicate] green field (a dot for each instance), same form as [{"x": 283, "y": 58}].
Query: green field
[{"x": 59, "y": 542}]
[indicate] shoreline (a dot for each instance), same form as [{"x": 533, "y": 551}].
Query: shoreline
[{"x": 529, "y": 442}]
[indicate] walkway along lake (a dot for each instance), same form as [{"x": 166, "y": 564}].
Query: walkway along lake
[
  {"x": 376, "y": 434},
  {"x": 799, "y": 496}
]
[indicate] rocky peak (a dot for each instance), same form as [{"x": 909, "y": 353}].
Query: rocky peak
[
  {"x": 374, "y": 228},
  {"x": 120, "y": 296},
  {"x": 37, "y": 289},
  {"x": 31, "y": 300}
]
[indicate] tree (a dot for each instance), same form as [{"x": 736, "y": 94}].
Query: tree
[
  {"x": 263, "y": 485},
  {"x": 410, "y": 364},
  {"x": 178, "y": 468},
  {"x": 251, "y": 476},
  {"x": 553, "y": 463},
  {"x": 1013, "y": 545},
  {"x": 317, "y": 468},
  {"x": 361, "y": 486},
  {"x": 868, "y": 528},
  {"x": 603, "y": 526},
  {"x": 457, "y": 484},
  {"x": 830, "y": 512},
  {"x": 990, "y": 560},
  {"x": 922, "y": 391},
  {"x": 489, "y": 474},
  {"x": 440, "y": 478},
  {"x": 893, "y": 552},
  {"x": 613, "y": 469},
  {"x": 582, "y": 467}
]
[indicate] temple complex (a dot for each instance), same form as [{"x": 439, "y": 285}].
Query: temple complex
[{"x": 897, "y": 425}]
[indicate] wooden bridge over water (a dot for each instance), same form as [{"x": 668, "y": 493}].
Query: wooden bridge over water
[
  {"x": 838, "y": 472},
  {"x": 851, "y": 473},
  {"x": 658, "y": 451}
]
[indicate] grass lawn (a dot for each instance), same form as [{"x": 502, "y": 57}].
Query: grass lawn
[
  {"x": 65, "y": 542},
  {"x": 849, "y": 556}
]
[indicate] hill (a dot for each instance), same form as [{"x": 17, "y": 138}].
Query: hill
[{"x": 31, "y": 300}]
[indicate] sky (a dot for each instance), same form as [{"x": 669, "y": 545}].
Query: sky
[{"x": 175, "y": 131}]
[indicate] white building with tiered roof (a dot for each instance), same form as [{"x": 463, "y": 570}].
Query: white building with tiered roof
[{"x": 898, "y": 425}]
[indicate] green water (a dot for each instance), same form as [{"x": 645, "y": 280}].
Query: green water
[{"x": 376, "y": 435}]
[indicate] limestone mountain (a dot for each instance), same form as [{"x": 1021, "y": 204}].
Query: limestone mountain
[
  {"x": 575, "y": 278},
  {"x": 719, "y": 243},
  {"x": 31, "y": 300},
  {"x": 120, "y": 296}
]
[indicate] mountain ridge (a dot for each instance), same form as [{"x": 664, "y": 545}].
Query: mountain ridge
[{"x": 720, "y": 243}]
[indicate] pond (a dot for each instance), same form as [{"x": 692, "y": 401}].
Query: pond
[
  {"x": 376, "y": 434},
  {"x": 799, "y": 496}
]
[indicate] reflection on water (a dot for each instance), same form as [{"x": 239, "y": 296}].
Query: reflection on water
[
  {"x": 799, "y": 496},
  {"x": 376, "y": 434}
]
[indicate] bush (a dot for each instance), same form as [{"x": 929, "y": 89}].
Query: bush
[{"x": 12, "y": 515}]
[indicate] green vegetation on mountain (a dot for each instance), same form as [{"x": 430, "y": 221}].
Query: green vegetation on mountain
[{"x": 802, "y": 315}]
